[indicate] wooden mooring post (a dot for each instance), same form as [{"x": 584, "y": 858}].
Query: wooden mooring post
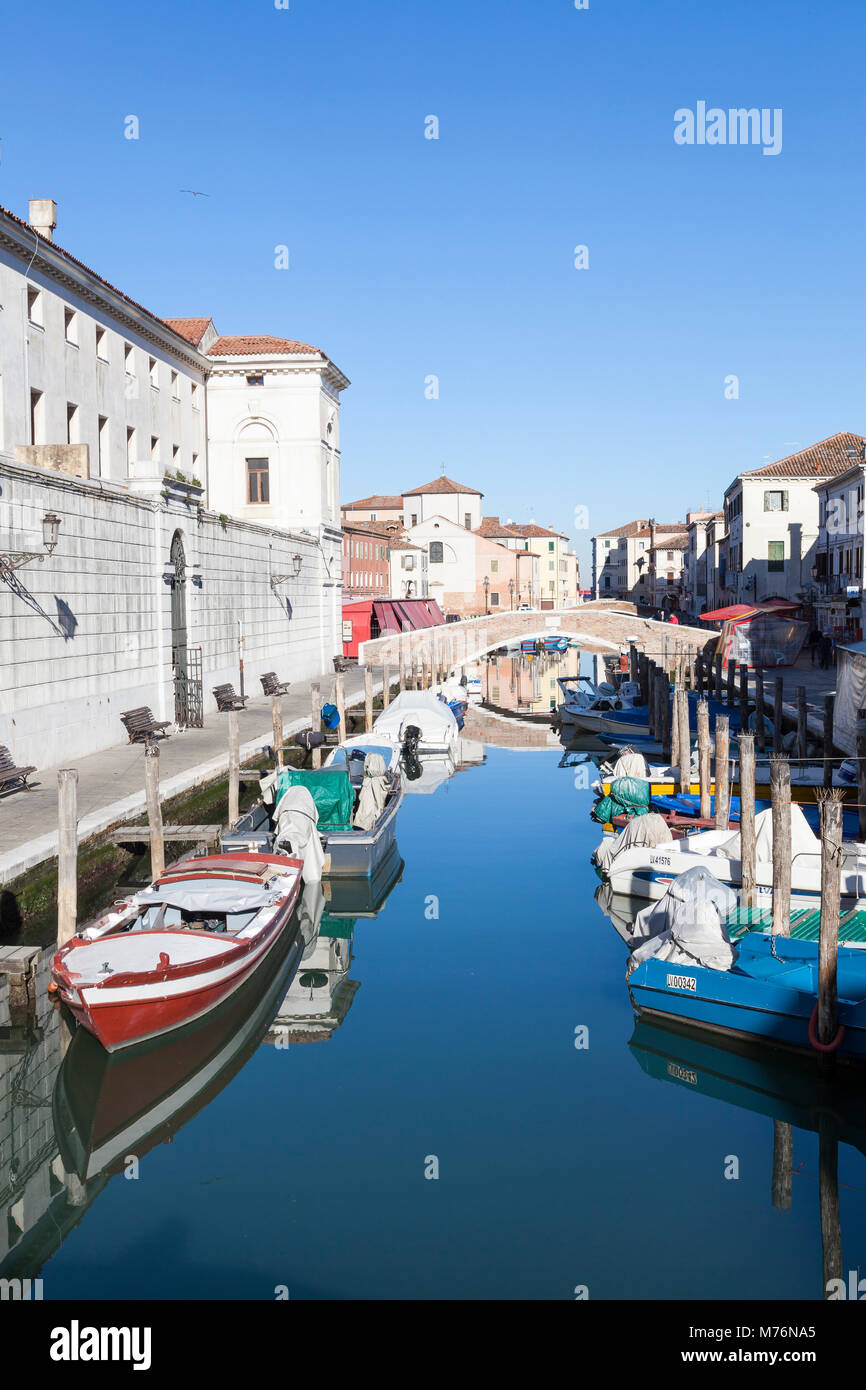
[
  {"x": 704, "y": 756},
  {"x": 717, "y": 682},
  {"x": 731, "y": 698},
  {"x": 234, "y": 767},
  {"x": 675, "y": 726},
  {"x": 685, "y": 743},
  {"x": 316, "y": 720},
  {"x": 780, "y": 796},
  {"x": 747, "y": 819},
  {"x": 723, "y": 777},
  {"x": 368, "y": 699},
  {"x": 386, "y": 687},
  {"x": 830, "y": 811},
  {"x": 277, "y": 726},
  {"x": 664, "y": 714},
  {"x": 340, "y": 702},
  {"x": 154, "y": 809},
  {"x": 632, "y": 662},
  {"x": 700, "y": 681},
  {"x": 744, "y": 697},
  {"x": 67, "y": 853},
  {"x": 643, "y": 678},
  {"x": 783, "y": 1164},
  {"x": 828, "y": 1197}
]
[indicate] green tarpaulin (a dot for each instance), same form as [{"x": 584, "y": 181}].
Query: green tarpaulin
[
  {"x": 629, "y": 796},
  {"x": 331, "y": 791}
]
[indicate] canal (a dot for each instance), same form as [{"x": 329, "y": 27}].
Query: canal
[{"x": 448, "y": 1099}]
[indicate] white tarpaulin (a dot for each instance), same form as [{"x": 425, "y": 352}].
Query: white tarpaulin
[
  {"x": 421, "y": 708},
  {"x": 687, "y": 925},
  {"x": 803, "y": 838},
  {"x": 651, "y": 829},
  {"x": 374, "y": 790},
  {"x": 211, "y": 896},
  {"x": 296, "y": 828},
  {"x": 850, "y": 694}
]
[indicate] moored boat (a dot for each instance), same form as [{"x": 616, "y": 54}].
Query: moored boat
[{"x": 170, "y": 954}]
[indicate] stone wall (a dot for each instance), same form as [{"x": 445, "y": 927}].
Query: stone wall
[{"x": 87, "y": 633}]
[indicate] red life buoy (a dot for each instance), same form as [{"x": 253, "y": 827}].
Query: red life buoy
[{"x": 813, "y": 1034}]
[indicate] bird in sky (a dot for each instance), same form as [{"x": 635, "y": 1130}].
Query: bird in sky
[{"x": 195, "y": 193}]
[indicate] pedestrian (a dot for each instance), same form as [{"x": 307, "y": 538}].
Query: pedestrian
[
  {"x": 814, "y": 643},
  {"x": 826, "y": 649},
  {"x": 674, "y": 619}
]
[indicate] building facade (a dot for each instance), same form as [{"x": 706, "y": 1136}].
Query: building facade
[{"x": 366, "y": 561}]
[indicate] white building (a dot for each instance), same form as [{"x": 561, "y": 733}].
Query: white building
[
  {"x": 157, "y": 585},
  {"x": 409, "y": 572},
  {"x": 771, "y": 514},
  {"x": 838, "y": 573}
]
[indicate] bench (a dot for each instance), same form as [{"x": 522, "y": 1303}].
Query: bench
[
  {"x": 271, "y": 686},
  {"x": 342, "y": 663},
  {"x": 141, "y": 725},
  {"x": 10, "y": 775},
  {"x": 227, "y": 699}
]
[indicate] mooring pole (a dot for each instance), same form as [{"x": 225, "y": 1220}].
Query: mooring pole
[
  {"x": 828, "y": 1197},
  {"x": 316, "y": 719},
  {"x": 759, "y": 711},
  {"x": 154, "y": 809},
  {"x": 717, "y": 666},
  {"x": 675, "y": 726},
  {"x": 386, "y": 686},
  {"x": 340, "y": 702},
  {"x": 234, "y": 768},
  {"x": 685, "y": 742},
  {"x": 67, "y": 854},
  {"x": 783, "y": 1163},
  {"x": 704, "y": 756},
  {"x": 723, "y": 783},
  {"x": 802, "y": 726},
  {"x": 747, "y": 819},
  {"x": 277, "y": 726},
  {"x": 664, "y": 715},
  {"x": 732, "y": 681},
  {"x": 744, "y": 698},
  {"x": 780, "y": 796},
  {"x": 828, "y": 740},
  {"x": 368, "y": 699},
  {"x": 632, "y": 662},
  {"x": 830, "y": 808}
]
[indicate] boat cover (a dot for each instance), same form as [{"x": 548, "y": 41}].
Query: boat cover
[
  {"x": 422, "y": 708},
  {"x": 296, "y": 827},
  {"x": 330, "y": 789},
  {"x": 211, "y": 896},
  {"x": 803, "y": 838},
  {"x": 629, "y": 796},
  {"x": 687, "y": 925},
  {"x": 311, "y": 906},
  {"x": 629, "y": 764},
  {"x": 374, "y": 790},
  {"x": 651, "y": 829}
]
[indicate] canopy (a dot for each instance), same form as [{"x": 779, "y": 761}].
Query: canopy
[
  {"x": 209, "y": 896},
  {"x": 850, "y": 694},
  {"x": 741, "y": 610},
  {"x": 330, "y": 789},
  {"x": 803, "y": 839},
  {"x": 687, "y": 925},
  {"x": 420, "y": 707}
]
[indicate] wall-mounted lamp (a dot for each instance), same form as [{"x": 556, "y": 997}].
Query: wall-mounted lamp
[
  {"x": 14, "y": 559},
  {"x": 276, "y": 579}
]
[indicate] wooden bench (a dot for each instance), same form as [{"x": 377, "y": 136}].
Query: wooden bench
[
  {"x": 227, "y": 699},
  {"x": 342, "y": 663},
  {"x": 141, "y": 725},
  {"x": 271, "y": 686},
  {"x": 10, "y": 775}
]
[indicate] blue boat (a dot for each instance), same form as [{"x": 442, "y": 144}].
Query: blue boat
[
  {"x": 769, "y": 994},
  {"x": 689, "y": 805}
]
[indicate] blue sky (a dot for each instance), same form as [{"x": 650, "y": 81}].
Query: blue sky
[{"x": 559, "y": 387}]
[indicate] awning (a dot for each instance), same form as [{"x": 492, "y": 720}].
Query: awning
[
  {"x": 736, "y": 610},
  {"x": 387, "y": 618}
]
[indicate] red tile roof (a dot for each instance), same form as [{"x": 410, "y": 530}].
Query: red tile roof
[
  {"x": 532, "y": 531},
  {"x": 442, "y": 484},
  {"x": 631, "y": 528},
  {"x": 191, "y": 329},
  {"x": 382, "y": 500},
  {"x": 491, "y": 527},
  {"x": 259, "y": 345},
  {"x": 819, "y": 460}
]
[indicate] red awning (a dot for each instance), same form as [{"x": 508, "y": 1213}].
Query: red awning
[
  {"x": 387, "y": 618},
  {"x": 736, "y": 610}
]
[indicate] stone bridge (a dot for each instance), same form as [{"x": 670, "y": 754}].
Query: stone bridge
[{"x": 600, "y": 626}]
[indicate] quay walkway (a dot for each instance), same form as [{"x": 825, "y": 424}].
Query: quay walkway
[{"x": 111, "y": 783}]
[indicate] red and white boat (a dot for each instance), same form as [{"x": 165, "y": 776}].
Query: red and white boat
[{"x": 170, "y": 954}]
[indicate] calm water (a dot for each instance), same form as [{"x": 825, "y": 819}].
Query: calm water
[{"x": 557, "y": 1166}]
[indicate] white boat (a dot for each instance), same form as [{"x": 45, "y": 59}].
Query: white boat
[
  {"x": 587, "y": 705},
  {"x": 647, "y": 871},
  {"x": 423, "y": 710}
]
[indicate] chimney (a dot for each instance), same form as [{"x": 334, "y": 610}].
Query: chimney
[{"x": 42, "y": 217}]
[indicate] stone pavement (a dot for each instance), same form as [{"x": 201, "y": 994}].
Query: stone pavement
[{"x": 111, "y": 783}]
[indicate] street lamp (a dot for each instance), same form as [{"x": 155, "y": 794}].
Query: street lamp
[
  {"x": 486, "y": 583},
  {"x": 14, "y": 559},
  {"x": 511, "y": 593},
  {"x": 276, "y": 579}
]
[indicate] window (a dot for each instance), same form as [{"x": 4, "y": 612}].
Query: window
[
  {"x": 130, "y": 446},
  {"x": 153, "y": 372},
  {"x": 436, "y": 556},
  {"x": 195, "y": 465},
  {"x": 175, "y": 388},
  {"x": 408, "y": 562},
  {"x": 103, "y": 446},
  {"x": 128, "y": 359},
  {"x": 467, "y": 521},
  {"x": 36, "y": 414},
  {"x": 102, "y": 344},
  {"x": 607, "y": 545},
  {"x": 607, "y": 581},
  {"x": 34, "y": 305},
  {"x": 71, "y": 423},
  {"x": 494, "y": 600},
  {"x": 258, "y": 484},
  {"x": 70, "y": 326},
  {"x": 494, "y": 566},
  {"x": 154, "y": 449},
  {"x": 551, "y": 564},
  {"x": 372, "y": 516},
  {"x": 194, "y": 395},
  {"x": 670, "y": 555},
  {"x": 175, "y": 454},
  {"x": 775, "y": 556},
  {"x": 414, "y": 518},
  {"x": 551, "y": 545},
  {"x": 256, "y": 380},
  {"x": 775, "y": 502}
]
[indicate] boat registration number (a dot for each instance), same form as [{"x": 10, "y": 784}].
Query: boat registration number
[
  {"x": 682, "y": 1074},
  {"x": 660, "y": 859},
  {"x": 683, "y": 982}
]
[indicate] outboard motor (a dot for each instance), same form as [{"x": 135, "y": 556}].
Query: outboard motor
[{"x": 411, "y": 739}]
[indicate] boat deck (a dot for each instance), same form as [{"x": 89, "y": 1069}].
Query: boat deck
[{"x": 805, "y": 924}]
